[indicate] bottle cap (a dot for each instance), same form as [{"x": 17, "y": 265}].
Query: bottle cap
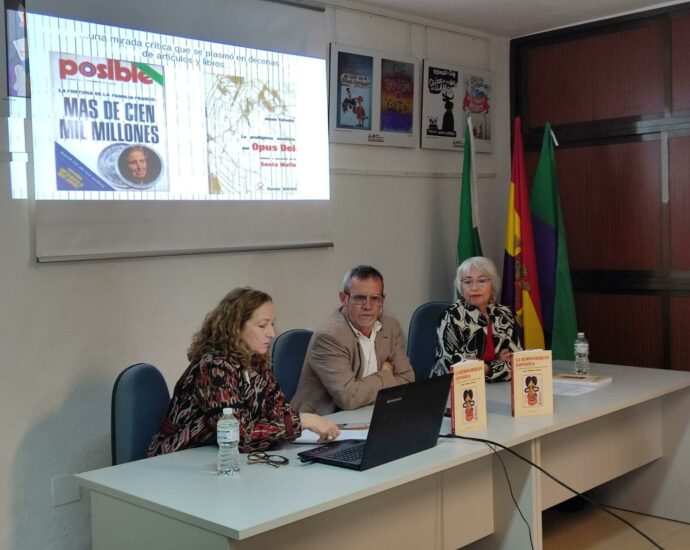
[{"x": 228, "y": 411}]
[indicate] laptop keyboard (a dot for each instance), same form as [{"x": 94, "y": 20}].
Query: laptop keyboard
[{"x": 352, "y": 455}]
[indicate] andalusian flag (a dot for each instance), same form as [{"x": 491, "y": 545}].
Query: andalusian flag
[
  {"x": 469, "y": 243},
  {"x": 520, "y": 283},
  {"x": 558, "y": 306}
]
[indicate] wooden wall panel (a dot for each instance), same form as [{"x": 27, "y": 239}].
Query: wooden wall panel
[
  {"x": 556, "y": 91},
  {"x": 613, "y": 91},
  {"x": 680, "y": 328},
  {"x": 679, "y": 194},
  {"x": 622, "y": 329},
  {"x": 610, "y": 195},
  {"x": 613, "y": 75},
  {"x": 680, "y": 63}
]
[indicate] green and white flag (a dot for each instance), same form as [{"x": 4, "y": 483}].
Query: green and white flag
[{"x": 469, "y": 243}]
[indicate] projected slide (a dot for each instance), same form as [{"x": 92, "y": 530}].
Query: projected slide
[
  {"x": 109, "y": 135},
  {"x": 120, "y": 114}
]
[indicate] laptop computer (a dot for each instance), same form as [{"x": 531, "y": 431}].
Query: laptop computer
[{"x": 406, "y": 420}]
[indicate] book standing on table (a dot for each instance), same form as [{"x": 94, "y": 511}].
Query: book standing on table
[
  {"x": 531, "y": 383},
  {"x": 467, "y": 396}
]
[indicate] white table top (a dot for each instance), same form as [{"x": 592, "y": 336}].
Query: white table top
[
  {"x": 630, "y": 386},
  {"x": 185, "y": 485}
]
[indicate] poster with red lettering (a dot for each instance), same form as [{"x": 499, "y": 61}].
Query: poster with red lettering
[
  {"x": 127, "y": 114},
  {"x": 110, "y": 132},
  {"x": 397, "y": 96}
]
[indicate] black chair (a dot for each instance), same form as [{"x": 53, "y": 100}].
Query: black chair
[
  {"x": 421, "y": 338},
  {"x": 139, "y": 402},
  {"x": 289, "y": 350}
]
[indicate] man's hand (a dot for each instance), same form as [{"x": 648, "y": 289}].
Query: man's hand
[{"x": 387, "y": 366}]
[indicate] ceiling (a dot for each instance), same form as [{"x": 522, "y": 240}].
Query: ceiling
[{"x": 513, "y": 18}]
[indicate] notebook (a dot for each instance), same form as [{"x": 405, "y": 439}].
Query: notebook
[{"x": 406, "y": 420}]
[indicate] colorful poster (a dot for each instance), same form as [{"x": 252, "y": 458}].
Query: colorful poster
[
  {"x": 17, "y": 54},
  {"x": 476, "y": 103},
  {"x": 373, "y": 99},
  {"x": 355, "y": 76},
  {"x": 111, "y": 131},
  {"x": 397, "y": 96}
]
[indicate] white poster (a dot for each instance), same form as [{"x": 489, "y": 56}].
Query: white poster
[{"x": 451, "y": 94}]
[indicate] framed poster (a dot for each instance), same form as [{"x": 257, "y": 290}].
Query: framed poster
[
  {"x": 374, "y": 98},
  {"x": 477, "y": 98},
  {"x": 16, "y": 50},
  {"x": 440, "y": 129},
  {"x": 450, "y": 95}
]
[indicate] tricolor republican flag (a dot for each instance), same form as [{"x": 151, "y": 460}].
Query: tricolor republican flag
[
  {"x": 520, "y": 280},
  {"x": 558, "y": 305}
]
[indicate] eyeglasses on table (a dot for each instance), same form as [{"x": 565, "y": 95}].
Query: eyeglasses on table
[{"x": 259, "y": 457}]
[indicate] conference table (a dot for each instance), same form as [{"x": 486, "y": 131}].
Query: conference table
[{"x": 634, "y": 431}]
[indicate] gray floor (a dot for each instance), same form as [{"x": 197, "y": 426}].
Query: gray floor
[{"x": 592, "y": 528}]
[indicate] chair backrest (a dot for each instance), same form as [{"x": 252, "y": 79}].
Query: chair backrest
[
  {"x": 139, "y": 402},
  {"x": 421, "y": 338},
  {"x": 289, "y": 350}
]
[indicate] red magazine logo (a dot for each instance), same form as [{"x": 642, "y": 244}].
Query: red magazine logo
[{"x": 112, "y": 69}]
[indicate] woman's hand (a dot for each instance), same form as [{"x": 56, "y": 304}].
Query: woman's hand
[{"x": 325, "y": 427}]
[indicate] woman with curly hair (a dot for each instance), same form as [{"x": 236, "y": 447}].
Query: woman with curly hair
[
  {"x": 230, "y": 367},
  {"x": 476, "y": 326}
]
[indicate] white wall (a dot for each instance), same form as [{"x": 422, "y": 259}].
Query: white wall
[{"x": 67, "y": 330}]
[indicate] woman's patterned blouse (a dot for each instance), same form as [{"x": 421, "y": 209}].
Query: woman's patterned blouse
[
  {"x": 213, "y": 383},
  {"x": 462, "y": 333}
]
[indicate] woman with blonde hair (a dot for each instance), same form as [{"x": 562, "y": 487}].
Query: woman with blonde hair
[
  {"x": 476, "y": 326},
  {"x": 230, "y": 367}
]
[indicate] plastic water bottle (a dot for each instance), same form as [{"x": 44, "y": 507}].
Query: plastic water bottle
[
  {"x": 228, "y": 436},
  {"x": 581, "y": 354}
]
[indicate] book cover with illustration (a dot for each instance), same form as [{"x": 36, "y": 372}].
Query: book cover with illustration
[
  {"x": 467, "y": 396},
  {"x": 109, "y": 124},
  {"x": 251, "y": 134},
  {"x": 532, "y": 383}
]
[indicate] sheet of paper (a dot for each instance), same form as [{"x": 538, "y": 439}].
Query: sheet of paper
[
  {"x": 571, "y": 389},
  {"x": 311, "y": 438}
]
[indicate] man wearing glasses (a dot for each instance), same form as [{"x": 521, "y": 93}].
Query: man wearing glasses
[{"x": 356, "y": 352}]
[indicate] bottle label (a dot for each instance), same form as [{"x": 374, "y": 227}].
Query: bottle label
[
  {"x": 581, "y": 348},
  {"x": 229, "y": 436}
]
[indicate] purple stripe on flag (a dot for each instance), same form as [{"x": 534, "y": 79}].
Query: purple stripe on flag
[{"x": 546, "y": 248}]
